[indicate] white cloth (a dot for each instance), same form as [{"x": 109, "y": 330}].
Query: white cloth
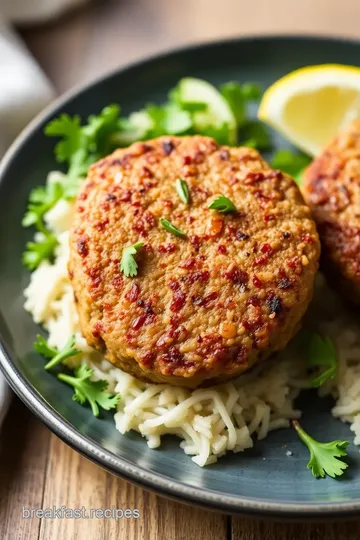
[{"x": 24, "y": 89}]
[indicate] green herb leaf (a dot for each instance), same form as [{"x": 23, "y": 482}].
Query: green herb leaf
[
  {"x": 222, "y": 204},
  {"x": 182, "y": 189},
  {"x": 323, "y": 456},
  {"x": 238, "y": 95},
  {"x": 90, "y": 391},
  {"x": 169, "y": 227},
  {"x": 56, "y": 356},
  {"x": 128, "y": 264},
  {"x": 36, "y": 252},
  {"x": 254, "y": 134},
  {"x": 321, "y": 357},
  {"x": 41, "y": 199},
  {"x": 292, "y": 163},
  {"x": 42, "y": 347}
]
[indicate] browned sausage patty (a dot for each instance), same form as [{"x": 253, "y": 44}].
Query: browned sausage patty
[
  {"x": 332, "y": 190},
  {"x": 202, "y": 307}
]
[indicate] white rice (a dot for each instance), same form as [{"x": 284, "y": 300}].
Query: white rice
[{"x": 209, "y": 421}]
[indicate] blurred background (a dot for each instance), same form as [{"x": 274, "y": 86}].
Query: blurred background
[{"x": 103, "y": 34}]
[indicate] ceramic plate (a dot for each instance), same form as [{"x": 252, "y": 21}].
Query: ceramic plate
[{"x": 263, "y": 480}]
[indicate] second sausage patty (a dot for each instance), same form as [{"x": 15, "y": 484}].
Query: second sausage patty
[
  {"x": 332, "y": 190},
  {"x": 205, "y": 306}
]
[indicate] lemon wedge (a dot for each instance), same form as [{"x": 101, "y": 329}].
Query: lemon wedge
[{"x": 310, "y": 105}]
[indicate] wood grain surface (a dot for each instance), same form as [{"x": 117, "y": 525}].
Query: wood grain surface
[{"x": 37, "y": 470}]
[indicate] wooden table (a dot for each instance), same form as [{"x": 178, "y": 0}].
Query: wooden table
[{"x": 37, "y": 470}]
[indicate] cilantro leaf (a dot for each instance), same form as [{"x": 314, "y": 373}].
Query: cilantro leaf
[
  {"x": 42, "y": 347},
  {"x": 321, "y": 358},
  {"x": 323, "y": 456},
  {"x": 56, "y": 356},
  {"x": 128, "y": 264},
  {"x": 237, "y": 95},
  {"x": 292, "y": 163},
  {"x": 169, "y": 227},
  {"x": 168, "y": 119},
  {"x": 36, "y": 252},
  {"x": 222, "y": 204},
  {"x": 41, "y": 199},
  {"x": 182, "y": 189},
  {"x": 255, "y": 135},
  {"x": 91, "y": 391}
]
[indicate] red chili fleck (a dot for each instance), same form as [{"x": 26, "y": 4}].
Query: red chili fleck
[
  {"x": 125, "y": 196},
  {"x": 83, "y": 196},
  {"x": 139, "y": 321},
  {"x": 257, "y": 282},
  {"x": 146, "y": 172},
  {"x": 307, "y": 238},
  {"x": 133, "y": 293},
  {"x": 267, "y": 249},
  {"x": 97, "y": 329},
  {"x": 148, "y": 358},
  {"x": 95, "y": 276},
  {"x": 260, "y": 261},
  {"x": 188, "y": 264},
  {"x": 167, "y": 248},
  {"x": 100, "y": 225},
  {"x": 204, "y": 301},
  {"x": 199, "y": 157},
  {"x": 269, "y": 217},
  {"x": 193, "y": 277},
  {"x": 80, "y": 209},
  {"x": 179, "y": 297},
  {"x": 253, "y": 301},
  {"x": 195, "y": 242},
  {"x": 278, "y": 175},
  {"x": 187, "y": 160},
  {"x": 237, "y": 276},
  {"x": 82, "y": 246},
  {"x": 222, "y": 249},
  {"x": 174, "y": 359},
  {"x": 253, "y": 178},
  {"x": 117, "y": 282}
]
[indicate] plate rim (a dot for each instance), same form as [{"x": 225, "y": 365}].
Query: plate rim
[{"x": 87, "y": 446}]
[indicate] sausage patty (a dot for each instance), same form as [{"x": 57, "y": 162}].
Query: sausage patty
[
  {"x": 332, "y": 190},
  {"x": 205, "y": 306}
]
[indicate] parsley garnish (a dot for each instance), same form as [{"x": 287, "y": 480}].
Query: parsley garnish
[
  {"x": 128, "y": 264},
  {"x": 91, "y": 391},
  {"x": 56, "y": 356},
  {"x": 36, "y": 252},
  {"x": 182, "y": 189},
  {"x": 222, "y": 204},
  {"x": 321, "y": 358},
  {"x": 323, "y": 456},
  {"x": 292, "y": 163},
  {"x": 169, "y": 227}
]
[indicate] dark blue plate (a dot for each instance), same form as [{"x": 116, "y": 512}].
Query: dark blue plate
[{"x": 263, "y": 480}]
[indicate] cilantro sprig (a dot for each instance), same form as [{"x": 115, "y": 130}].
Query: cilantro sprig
[
  {"x": 169, "y": 227},
  {"x": 56, "y": 356},
  {"x": 128, "y": 264},
  {"x": 324, "y": 457},
  {"x": 93, "y": 392},
  {"x": 321, "y": 358},
  {"x": 292, "y": 163},
  {"x": 38, "y": 251},
  {"x": 182, "y": 190},
  {"x": 222, "y": 204}
]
